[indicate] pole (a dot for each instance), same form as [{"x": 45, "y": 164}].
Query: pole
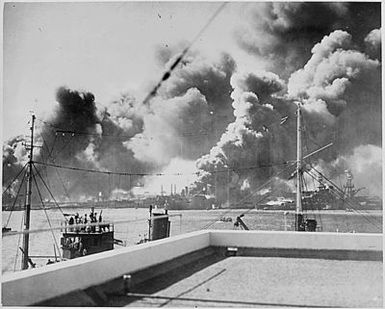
[
  {"x": 298, "y": 215},
  {"x": 228, "y": 186},
  {"x": 216, "y": 185},
  {"x": 150, "y": 224},
  {"x": 27, "y": 214}
]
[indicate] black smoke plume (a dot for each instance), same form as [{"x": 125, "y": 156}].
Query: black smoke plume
[
  {"x": 238, "y": 125},
  {"x": 285, "y": 32}
]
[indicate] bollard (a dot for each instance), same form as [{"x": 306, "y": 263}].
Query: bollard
[{"x": 126, "y": 283}]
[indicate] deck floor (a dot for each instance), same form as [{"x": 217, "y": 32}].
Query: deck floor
[{"x": 268, "y": 281}]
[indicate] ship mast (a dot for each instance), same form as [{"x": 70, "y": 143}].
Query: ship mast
[
  {"x": 298, "y": 213},
  {"x": 28, "y": 200}
]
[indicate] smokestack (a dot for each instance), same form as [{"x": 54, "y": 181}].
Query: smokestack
[{"x": 175, "y": 189}]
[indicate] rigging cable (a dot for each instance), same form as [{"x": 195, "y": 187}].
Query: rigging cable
[
  {"x": 43, "y": 157},
  {"x": 65, "y": 145},
  {"x": 339, "y": 194},
  {"x": 167, "y": 74},
  {"x": 45, "y": 211},
  {"x": 14, "y": 202},
  {"x": 62, "y": 183},
  {"x": 249, "y": 196},
  {"x": 48, "y": 124},
  {"x": 157, "y": 174},
  {"x": 316, "y": 212},
  {"x": 9, "y": 186},
  {"x": 338, "y": 189},
  {"x": 307, "y": 134},
  {"x": 49, "y": 191},
  {"x": 45, "y": 147},
  {"x": 59, "y": 228},
  {"x": 72, "y": 133},
  {"x": 269, "y": 181},
  {"x": 18, "y": 244},
  {"x": 53, "y": 145},
  {"x": 56, "y": 170}
]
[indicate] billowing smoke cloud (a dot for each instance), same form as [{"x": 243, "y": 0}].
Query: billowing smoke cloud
[
  {"x": 365, "y": 164},
  {"x": 285, "y": 32},
  {"x": 248, "y": 147},
  {"x": 189, "y": 114},
  {"x": 165, "y": 131},
  {"x": 14, "y": 158},
  {"x": 331, "y": 86},
  {"x": 373, "y": 44},
  {"x": 97, "y": 144},
  {"x": 126, "y": 136},
  {"x": 239, "y": 126},
  {"x": 344, "y": 83},
  {"x": 177, "y": 175}
]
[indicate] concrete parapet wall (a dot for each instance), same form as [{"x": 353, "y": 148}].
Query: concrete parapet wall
[
  {"x": 33, "y": 286},
  {"x": 36, "y": 285},
  {"x": 297, "y": 240}
]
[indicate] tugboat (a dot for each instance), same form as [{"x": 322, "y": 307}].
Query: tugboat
[
  {"x": 85, "y": 239},
  {"x": 78, "y": 237}
]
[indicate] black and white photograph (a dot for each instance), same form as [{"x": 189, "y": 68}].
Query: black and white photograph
[{"x": 192, "y": 154}]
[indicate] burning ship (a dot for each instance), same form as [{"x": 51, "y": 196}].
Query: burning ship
[
  {"x": 317, "y": 261},
  {"x": 333, "y": 198}
]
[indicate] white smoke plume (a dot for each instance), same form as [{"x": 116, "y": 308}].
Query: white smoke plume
[
  {"x": 373, "y": 44},
  {"x": 283, "y": 33},
  {"x": 365, "y": 163},
  {"x": 329, "y": 72},
  {"x": 179, "y": 172},
  {"x": 327, "y": 85},
  {"x": 163, "y": 138},
  {"x": 246, "y": 147},
  {"x": 326, "y": 55}
]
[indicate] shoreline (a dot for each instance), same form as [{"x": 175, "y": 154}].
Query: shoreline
[{"x": 254, "y": 210}]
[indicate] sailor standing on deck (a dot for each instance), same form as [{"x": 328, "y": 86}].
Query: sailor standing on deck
[
  {"x": 71, "y": 222},
  {"x": 76, "y": 222}
]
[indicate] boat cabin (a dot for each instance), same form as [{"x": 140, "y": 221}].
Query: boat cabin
[{"x": 77, "y": 242}]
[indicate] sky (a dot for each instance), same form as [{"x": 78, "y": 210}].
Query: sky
[
  {"x": 87, "y": 66},
  {"x": 105, "y": 48}
]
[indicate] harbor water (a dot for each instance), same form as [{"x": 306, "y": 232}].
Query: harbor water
[{"x": 135, "y": 226}]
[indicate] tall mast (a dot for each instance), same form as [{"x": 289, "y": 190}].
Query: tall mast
[
  {"x": 228, "y": 186},
  {"x": 298, "y": 214},
  {"x": 28, "y": 200}
]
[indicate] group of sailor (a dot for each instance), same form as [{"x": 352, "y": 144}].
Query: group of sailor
[
  {"x": 76, "y": 245},
  {"x": 93, "y": 218}
]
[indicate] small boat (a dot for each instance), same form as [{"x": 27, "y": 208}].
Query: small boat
[
  {"x": 80, "y": 238},
  {"x": 6, "y": 229}
]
